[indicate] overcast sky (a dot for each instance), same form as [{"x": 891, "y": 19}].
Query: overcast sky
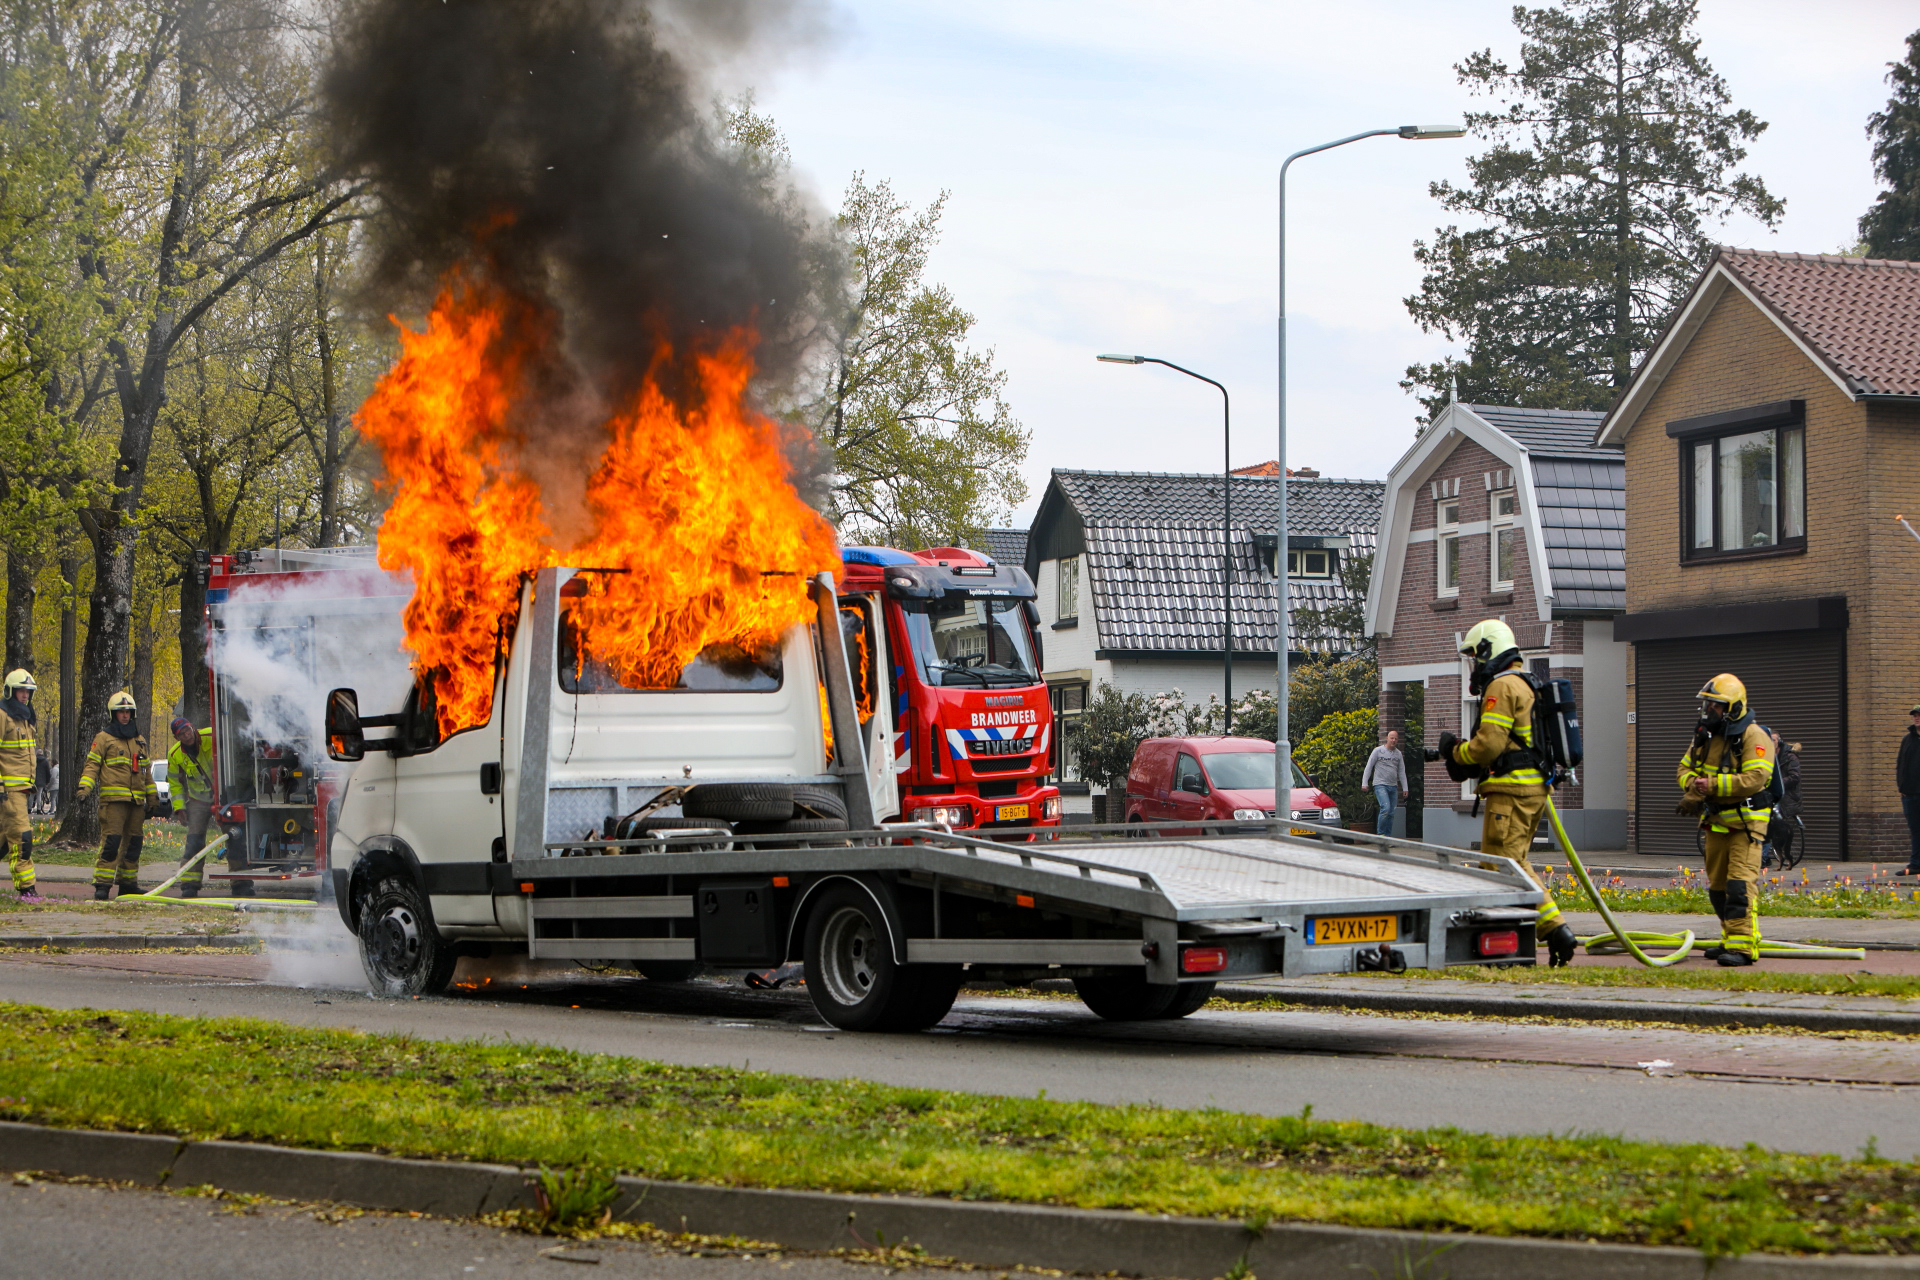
[{"x": 1111, "y": 168}]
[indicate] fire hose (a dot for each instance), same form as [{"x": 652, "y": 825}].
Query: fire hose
[
  {"x": 152, "y": 896},
  {"x": 1631, "y": 941}
]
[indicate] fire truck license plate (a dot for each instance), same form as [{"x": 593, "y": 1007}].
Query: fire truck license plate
[
  {"x": 1009, "y": 812},
  {"x": 1344, "y": 929}
]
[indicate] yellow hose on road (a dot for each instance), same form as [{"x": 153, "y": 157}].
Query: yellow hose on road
[
  {"x": 152, "y": 896},
  {"x": 1630, "y": 941}
]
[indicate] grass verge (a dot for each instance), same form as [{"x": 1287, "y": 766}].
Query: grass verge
[
  {"x": 1904, "y": 986},
  {"x": 1779, "y": 896},
  {"x": 558, "y": 1109}
]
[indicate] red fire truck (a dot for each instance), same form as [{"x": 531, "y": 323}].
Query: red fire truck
[
  {"x": 283, "y": 627},
  {"x": 972, "y": 722}
]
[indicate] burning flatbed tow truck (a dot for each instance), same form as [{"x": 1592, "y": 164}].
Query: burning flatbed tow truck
[{"x": 729, "y": 822}]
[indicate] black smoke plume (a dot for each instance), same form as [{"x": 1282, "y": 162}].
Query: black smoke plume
[{"x": 574, "y": 140}]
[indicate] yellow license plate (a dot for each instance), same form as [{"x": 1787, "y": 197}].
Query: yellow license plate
[
  {"x": 1302, "y": 831},
  {"x": 1323, "y": 930},
  {"x": 1009, "y": 812}
]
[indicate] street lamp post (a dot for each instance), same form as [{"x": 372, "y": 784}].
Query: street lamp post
[
  {"x": 1226, "y": 484},
  {"x": 1282, "y": 750}
]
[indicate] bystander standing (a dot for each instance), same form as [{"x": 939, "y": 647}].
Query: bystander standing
[
  {"x": 1907, "y": 773},
  {"x": 1386, "y": 773}
]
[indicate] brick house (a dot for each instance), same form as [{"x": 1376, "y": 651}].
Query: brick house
[
  {"x": 1770, "y": 439},
  {"x": 1514, "y": 514},
  {"x": 1127, "y": 565}
]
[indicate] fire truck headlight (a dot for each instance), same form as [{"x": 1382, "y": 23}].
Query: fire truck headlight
[
  {"x": 954, "y": 815},
  {"x": 1051, "y": 809}
]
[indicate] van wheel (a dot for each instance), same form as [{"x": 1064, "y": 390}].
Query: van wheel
[
  {"x": 401, "y": 951},
  {"x": 852, "y": 976},
  {"x": 1134, "y": 999}
]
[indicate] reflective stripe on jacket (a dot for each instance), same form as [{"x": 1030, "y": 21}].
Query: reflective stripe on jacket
[
  {"x": 1505, "y": 723},
  {"x": 190, "y": 777},
  {"x": 19, "y": 760},
  {"x": 1744, "y": 775},
  {"x": 118, "y": 767}
]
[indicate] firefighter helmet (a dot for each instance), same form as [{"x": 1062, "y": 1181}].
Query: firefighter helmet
[
  {"x": 20, "y": 678},
  {"x": 1726, "y": 688},
  {"x": 1493, "y": 649},
  {"x": 122, "y": 701}
]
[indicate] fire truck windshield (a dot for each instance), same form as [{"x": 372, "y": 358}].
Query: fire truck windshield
[{"x": 960, "y": 640}]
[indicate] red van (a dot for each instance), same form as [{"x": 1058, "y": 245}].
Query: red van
[{"x": 1215, "y": 779}]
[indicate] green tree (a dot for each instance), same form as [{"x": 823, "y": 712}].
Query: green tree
[
  {"x": 1341, "y": 627},
  {"x": 1891, "y": 228},
  {"x": 1112, "y": 728},
  {"x": 1612, "y": 148},
  {"x": 1335, "y": 753}
]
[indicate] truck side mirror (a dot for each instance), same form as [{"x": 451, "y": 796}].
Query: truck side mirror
[{"x": 345, "y": 739}]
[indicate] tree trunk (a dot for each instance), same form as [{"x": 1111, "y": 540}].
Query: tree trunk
[
  {"x": 148, "y": 716},
  {"x": 76, "y": 827},
  {"x": 195, "y": 695},
  {"x": 23, "y": 589},
  {"x": 330, "y": 462}
]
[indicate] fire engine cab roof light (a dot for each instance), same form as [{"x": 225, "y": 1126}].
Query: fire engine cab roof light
[
  {"x": 1497, "y": 942},
  {"x": 1203, "y": 960},
  {"x": 875, "y": 556}
]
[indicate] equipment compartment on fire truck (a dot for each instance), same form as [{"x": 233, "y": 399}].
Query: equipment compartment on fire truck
[{"x": 729, "y": 820}]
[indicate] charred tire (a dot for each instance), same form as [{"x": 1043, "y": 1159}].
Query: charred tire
[
  {"x": 666, "y": 970},
  {"x": 817, "y": 803},
  {"x": 852, "y": 976},
  {"x": 739, "y": 801},
  {"x": 1134, "y": 999},
  {"x": 401, "y": 951}
]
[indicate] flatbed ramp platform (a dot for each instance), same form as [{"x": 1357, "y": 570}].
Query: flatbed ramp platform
[{"x": 1198, "y": 906}]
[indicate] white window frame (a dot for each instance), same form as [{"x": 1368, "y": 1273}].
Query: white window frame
[
  {"x": 1446, "y": 534},
  {"x": 1496, "y": 521},
  {"x": 1297, "y": 563},
  {"x": 1067, "y": 590}
]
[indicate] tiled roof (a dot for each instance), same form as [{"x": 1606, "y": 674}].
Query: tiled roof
[
  {"x": 1583, "y": 521},
  {"x": 1860, "y": 315},
  {"x": 1154, "y": 550},
  {"x": 1007, "y": 546},
  {"x": 1545, "y": 430}
]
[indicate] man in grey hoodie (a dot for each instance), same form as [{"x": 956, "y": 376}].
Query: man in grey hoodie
[{"x": 1386, "y": 773}]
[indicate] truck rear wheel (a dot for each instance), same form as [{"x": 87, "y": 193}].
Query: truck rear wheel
[
  {"x": 402, "y": 953},
  {"x": 1134, "y": 999},
  {"x": 852, "y": 977}
]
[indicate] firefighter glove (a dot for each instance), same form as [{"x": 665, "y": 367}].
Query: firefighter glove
[
  {"x": 1447, "y": 743},
  {"x": 1561, "y": 945}
]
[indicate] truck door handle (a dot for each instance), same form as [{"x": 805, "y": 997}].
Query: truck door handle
[{"x": 490, "y": 778}]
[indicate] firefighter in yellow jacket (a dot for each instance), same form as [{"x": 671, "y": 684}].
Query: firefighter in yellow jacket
[
  {"x": 1725, "y": 776},
  {"x": 1513, "y": 786},
  {"x": 19, "y": 762},
  {"x": 117, "y": 766}
]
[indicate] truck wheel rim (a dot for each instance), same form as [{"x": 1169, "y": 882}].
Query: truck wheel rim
[
  {"x": 397, "y": 940},
  {"x": 847, "y": 956}
]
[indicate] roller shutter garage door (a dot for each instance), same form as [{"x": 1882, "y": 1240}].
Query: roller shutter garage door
[{"x": 1797, "y": 683}]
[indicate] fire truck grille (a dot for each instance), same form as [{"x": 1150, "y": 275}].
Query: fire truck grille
[{"x": 1000, "y": 764}]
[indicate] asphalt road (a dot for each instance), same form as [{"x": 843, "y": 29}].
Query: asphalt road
[
  {"x": 56, "y": 1229},
  {"x": 1790, "y": 1092}
]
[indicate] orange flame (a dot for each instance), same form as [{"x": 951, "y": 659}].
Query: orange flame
[{"x": 694, "y": 502}]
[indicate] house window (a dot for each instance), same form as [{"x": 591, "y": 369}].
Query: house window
[
  {"x": 1068, "y": 599},
  {"x": 1309, "y": 564},
  {"x": 1447, "y": 544},
  {"x": 1069, "y": 710},
  {"x": 1508, "y": 538},
  {"x": 1746, "y": 491}
]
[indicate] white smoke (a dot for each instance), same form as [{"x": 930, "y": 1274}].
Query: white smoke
[
  {"x": 310, "y": 950},
  {"x": 284, "y": 645}
]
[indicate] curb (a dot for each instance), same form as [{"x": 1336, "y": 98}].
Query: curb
[
  {"x": 126, "y": 941},
  {"x": 1700, "y": 1015},
  {"x": 985, "y": 1234}
]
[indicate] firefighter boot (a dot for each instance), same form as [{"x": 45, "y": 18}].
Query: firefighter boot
[
  {"x": 1561, "y": 944},
  {"x": 190, "y": 889},
  {"x": 100, "y": 892}
]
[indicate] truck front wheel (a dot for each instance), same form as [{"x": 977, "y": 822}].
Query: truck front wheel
[
  {"x": 852, "y": 977},
  {"x": 400, "y": 950},
  {"x": 1134, "y": 999}
]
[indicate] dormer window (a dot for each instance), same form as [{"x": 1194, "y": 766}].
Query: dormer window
[{"x": 1309, "y": 564}]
